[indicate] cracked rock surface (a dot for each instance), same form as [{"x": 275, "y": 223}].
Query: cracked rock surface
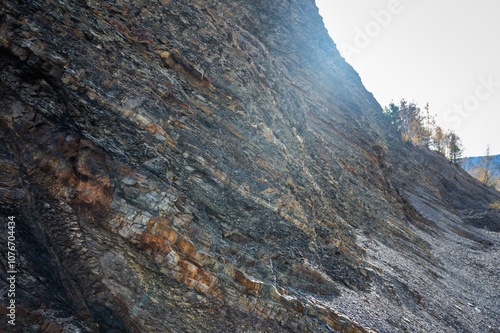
[{"x": 212, "y": 166}]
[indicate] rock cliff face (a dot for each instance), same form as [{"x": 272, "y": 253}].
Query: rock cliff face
[{"x": 211, "y": 166}]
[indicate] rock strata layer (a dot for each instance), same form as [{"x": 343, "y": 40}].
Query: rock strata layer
[{"x": 211, "y": 166}]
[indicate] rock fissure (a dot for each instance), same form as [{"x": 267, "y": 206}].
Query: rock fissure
[{"x": 217, "y": 166}]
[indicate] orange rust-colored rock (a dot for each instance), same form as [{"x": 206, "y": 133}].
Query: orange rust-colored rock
[{"x": 216, "y": 166}]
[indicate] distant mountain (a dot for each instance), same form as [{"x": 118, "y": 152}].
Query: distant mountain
[
  {"x": 477, "y": 159},
  {"x": 216, "y": 166},
  {"x": 470, "y": 162},
  {"x": 475, "y": 167}
]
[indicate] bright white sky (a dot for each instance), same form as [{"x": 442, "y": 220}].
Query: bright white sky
[{"x": 445, "y": 52}]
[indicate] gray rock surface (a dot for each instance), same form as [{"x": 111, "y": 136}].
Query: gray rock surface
[{"x": 211, "y": 166}]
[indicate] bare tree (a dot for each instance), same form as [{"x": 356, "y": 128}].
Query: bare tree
[
  {"x": 411, "y": 122},
  {"x": 439, "y": 140},
  {"x": 486, "y": 161},
  {"x": 430, "y": 123},
  {"x": 488, "y": 169}
]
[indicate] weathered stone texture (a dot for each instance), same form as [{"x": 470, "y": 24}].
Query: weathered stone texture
[{"x": 211, "y": 166}]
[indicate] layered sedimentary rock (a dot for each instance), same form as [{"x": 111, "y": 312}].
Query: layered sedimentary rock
[{"x": 210, "y": 166}]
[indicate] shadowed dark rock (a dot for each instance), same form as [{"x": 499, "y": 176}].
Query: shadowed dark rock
[{"x": 211, "y": 166}]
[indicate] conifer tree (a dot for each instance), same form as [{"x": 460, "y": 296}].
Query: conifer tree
[
  {"x": 454, "y": 146},
  {"x": 418, "y": 127}
]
